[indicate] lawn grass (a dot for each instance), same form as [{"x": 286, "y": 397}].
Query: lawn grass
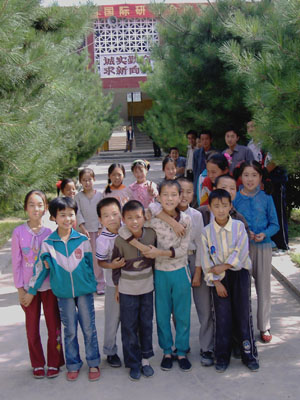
[
  {"x": 295, "y": 257},
  {"x": 6, "y": 228},
  {"x": 294, "y": 224}
]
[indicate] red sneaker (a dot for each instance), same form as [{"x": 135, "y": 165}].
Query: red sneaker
[
  {"x": 266, "y": 336},
  {"x": 94, "y": 375},
  {"x": 38, "y": 373},
  {"x": 52, "y": 372},
  {"x": 72, "y": 375}
]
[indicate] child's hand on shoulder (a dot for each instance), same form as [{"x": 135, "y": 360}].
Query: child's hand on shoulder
[
  {"x": 220, "y": 288},
  {"x": 118, "y": 262},
  {"x": 259, "y": 237},
  {"x": 27, "y": 299},
  {"x": 179, "y": 229}
]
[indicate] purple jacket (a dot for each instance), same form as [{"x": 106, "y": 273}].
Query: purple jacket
[{"x": 25, "y": 247}]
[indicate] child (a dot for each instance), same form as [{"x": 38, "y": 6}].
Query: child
[
  {"x": 87, "y": 218},
  {"x": 259, "y": 210},
  {"x": 69, "y": 258},
  {"x": 226, "y": 264},
  {"x": 216, "y": 165},
  {"x": 180, "y": 161},
  {"x": 236, "y": 152},
  {"x": 68, "y": 188},
  {"x": 169, "y": 168},
  {"x": 134, "y": 289},
  {"x": 26, "y": 243},
  {"x": 142, "y": 190},
  {"x": 201, "y": 292},
  {"x": 172, "y": 279},
  {"x": 109, "y": 213},
  {"x": 115, "y": 187}
]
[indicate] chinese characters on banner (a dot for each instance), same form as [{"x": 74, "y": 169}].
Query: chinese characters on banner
[
  {"x": 120, "y": 65},
  {"x": 125, "y": 11}
]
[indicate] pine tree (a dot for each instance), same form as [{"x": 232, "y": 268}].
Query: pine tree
[
  {"x": 192, "y": 87},
  {"x": 267, "y": 59},
  {"x": 53, "y": 113}
]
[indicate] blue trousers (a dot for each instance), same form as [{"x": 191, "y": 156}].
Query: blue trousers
[
  {"x": 136, "y": 315},
  {"x": 71, "y": 311},
  {"x": 235, "y": 308},
  {"x": 173, "y": 294}
]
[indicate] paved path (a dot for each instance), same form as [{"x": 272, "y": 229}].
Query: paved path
[{"x": 278, "y": 377}]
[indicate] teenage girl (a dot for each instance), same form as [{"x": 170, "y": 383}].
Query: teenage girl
[
  {"x": 26, "y": 243},
  {"x": 115, "y": 187},
  {"x": 258, "y": 208},
  {"x": 169, "y": 168},
  {"x": 143, "y": 190},
  {"x": 87, "y": 218},
  {"x": 216, "y": 165}
]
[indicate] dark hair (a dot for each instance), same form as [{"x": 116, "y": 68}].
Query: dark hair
[
  {"x": 173, "y": 148},
  {"x": 132, "y": 205},
  {"x": 107, "y": 201},
  {"x": 61, "y": 203},
  {"x": 37, "y": 192},
  {"x": 169, "y": 182},
  {"x": 183, "y": 179},
  {"x": 220, "y": 160},
  {"x": 238, "y": 171},
  {"x": 166, "y": 160},
  {"x": 192, "y": 132},
  {"x": 111, "y": 169},
  {"x": 207, "y": 132},
  {"x": 140, "y": 163},
  {"x": 226, "y": 176},
  {"x": 65, "y": 182},
  {"x": 86, "y": 171},
  {"x": 219, "y": 194},
  {"x": 231, "y": 128}
]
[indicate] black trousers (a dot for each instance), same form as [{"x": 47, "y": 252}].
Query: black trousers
[{"x": 234, "y": 309}]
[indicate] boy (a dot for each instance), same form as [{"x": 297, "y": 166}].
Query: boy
[
  {"x": 226, "y": 264},
  {"x": 237, "y": 152},
  {"x": 200, "y": 155},
  {"x": 191, "y": 137},
  {"x": 201, "y": 292},
  {"x": 109, "y": 213},
  {"x": 68, "y": 256},
  {"x": 180, "y": 161},
  {"x": 134, "y": 291}
]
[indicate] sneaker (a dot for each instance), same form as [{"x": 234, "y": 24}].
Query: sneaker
[
  {"x": 206, "y": 358},
  {"x": 52, "y": 372},
  {"x": 184, "y": 364},
  {"x": 166, "y": 363},
  {"x": 266, "y": 336},
  {"x": 72, "y": 375},
  {"x": 38, "y": 373},
  {"x": 134, "y": 374},
  {"x": 100, "y": 292},
  {"x": 114, "y": 361},
  {"x": 221, "y": 367},
  {"x": 94, "y": 375},
  {"x": 253, "y": 366},
  {"x": 147, "y": 371}
]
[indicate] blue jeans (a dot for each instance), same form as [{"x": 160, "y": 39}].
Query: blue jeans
[
  {"x": 71, "y": 311},
  {"x": 136, "y": 314}
]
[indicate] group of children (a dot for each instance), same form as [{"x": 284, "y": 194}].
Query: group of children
[{"x": 129, "y": 241}]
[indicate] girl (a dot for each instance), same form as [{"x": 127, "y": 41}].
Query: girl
[
  {"x": 216, "y": 165},
  {"x": 258, "y": 208},
  {"x": 142, "y": 190},
  {"x": 68, "y": 188},
  {"x": 26, "y": 243},
  {"x": 87, "y": 218},
  {"x": 169, "y": 168},
  {"x": 172, "y": 279},
  {"x": 115, "y": 187}
]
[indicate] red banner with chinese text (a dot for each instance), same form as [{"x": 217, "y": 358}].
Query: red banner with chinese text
[{"x": 133, "y": 10}]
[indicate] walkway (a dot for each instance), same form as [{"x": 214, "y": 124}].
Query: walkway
[{"x": 277, "y": 379}]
